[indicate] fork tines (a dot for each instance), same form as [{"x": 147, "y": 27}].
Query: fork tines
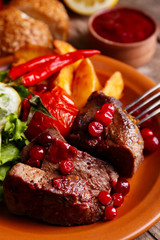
[{"x": 151, "y": 110}]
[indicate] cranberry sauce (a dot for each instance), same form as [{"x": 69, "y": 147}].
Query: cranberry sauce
[
  {"x": 60, "y": 151},
  {"x": 60, "y": 182},
  {"x": 124, "y": 25}
]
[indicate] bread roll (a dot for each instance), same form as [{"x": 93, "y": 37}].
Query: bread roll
[
  {"x": 18, "y": 29},
  {"x": 51, "y": 12}
]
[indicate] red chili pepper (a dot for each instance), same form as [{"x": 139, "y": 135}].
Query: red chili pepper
[
  {"x": 21, "y": 69},
  {"x": 60, "y": 105},
  {"x": 47, "y": 69}
]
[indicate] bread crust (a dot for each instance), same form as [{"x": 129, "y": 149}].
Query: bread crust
[
  {"x": 17, "y": 29},
  {"x": 52, "y": 12}
]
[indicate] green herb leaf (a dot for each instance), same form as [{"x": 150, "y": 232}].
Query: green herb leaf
[
  {"x": 22, "y": 91},
  {"x": 37, "y": 106}
]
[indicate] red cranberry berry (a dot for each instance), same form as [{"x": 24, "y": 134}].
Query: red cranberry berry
[
  {"x": 146, "y": 123},
  {"x": 103, "y": 117},
  {"x": 118, "y": 199},
  {"x": 45, "y": 139},
  {"x": 33, "y": 162},
  {"x": 108, "y": 107},
  {"x": 57, "y": 182},
  {"x": 95, "y": 128},
  {"x": 135, "y": 113},
  {"x": 60, "y": 182},
  {"x": 66, "y": 167},
  {"x": 72, "y": 152},
  {"x": 37, "y": 152},
  {"x": 122, "y": 186},
  {"x": 151, "y": 143},
  {"x": 104, "y": 197},
  {"x": 113, "y": 183},
  {"x": 41, "y": 87},
  {"x": 110, "y": 213},
  {"x": 146, "y": 132}
]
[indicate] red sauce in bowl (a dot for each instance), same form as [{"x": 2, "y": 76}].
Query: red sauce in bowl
[{"x": 123, "y": 25}]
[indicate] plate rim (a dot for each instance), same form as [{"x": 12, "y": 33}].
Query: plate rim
[{"x": 91, "y": 233}]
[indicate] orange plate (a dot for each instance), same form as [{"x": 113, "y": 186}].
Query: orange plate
[{"x": 141, "y": 208}]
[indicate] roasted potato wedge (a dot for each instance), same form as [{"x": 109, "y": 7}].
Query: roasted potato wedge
[
  {"x": 63, "y": 47},
  {"x": 63, "y": 79},
  {"x": 65, "y": 76},
  {"x": 84, "y": 83},
  {"x": 114, "y": 85},
  {"x": 29, "y": 52}
]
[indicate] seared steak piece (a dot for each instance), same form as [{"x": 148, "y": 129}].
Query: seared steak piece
[
  {"x": 121, "y": 143},
  {"x": 99, "y": 174},
  {"x": 47, "y": 195},
  {"x": 31, "y": 192},
  {"x": 53, "y": 132}
]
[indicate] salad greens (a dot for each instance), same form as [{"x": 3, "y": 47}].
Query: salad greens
[
  {"x": 12, "y": 138},
  {"x": 14, "y": 130},
  {"x": 12, "y": 141}
]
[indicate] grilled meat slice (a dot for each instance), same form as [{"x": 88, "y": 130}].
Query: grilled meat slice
[
  {"x": 121, "y": 143},
  {"x": 30, "y": 191},
  {"x": 47, "y": 195}
]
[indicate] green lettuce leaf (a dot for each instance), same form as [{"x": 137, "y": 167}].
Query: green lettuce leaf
[
  {"x": 9, "y": 153},
  {"x": 14, "y": 130},
  {"x": 8, "y": 157},
  {"x": 4, "y": 170},
  {"x": 12, "y": 140}
]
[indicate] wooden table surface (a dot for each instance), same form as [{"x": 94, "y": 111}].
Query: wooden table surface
[{"x": 78, "y": 37}]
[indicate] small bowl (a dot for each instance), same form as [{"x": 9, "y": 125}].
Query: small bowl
[{"x": 136, "y": 53}]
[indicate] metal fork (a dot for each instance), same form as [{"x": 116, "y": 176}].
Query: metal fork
[{"x": 150, "y": 109}]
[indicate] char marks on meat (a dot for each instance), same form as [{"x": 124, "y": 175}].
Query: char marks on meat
[
  {"x": 29, "y": 191},
  {"x": 46, "y": 195},
  {"x": 121, "y": 143}
]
